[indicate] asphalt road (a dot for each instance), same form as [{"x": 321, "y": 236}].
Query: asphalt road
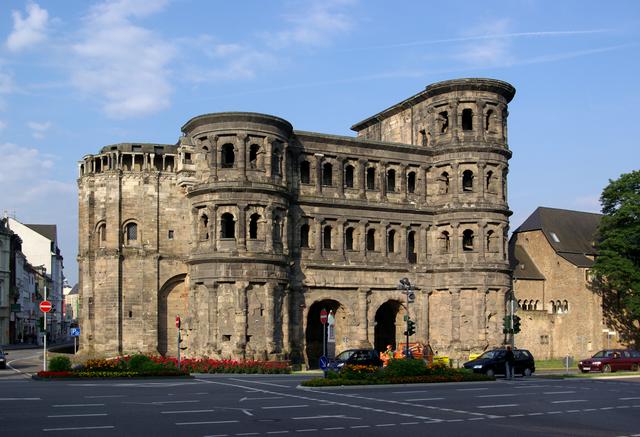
[{"x": 245, "y": 405}]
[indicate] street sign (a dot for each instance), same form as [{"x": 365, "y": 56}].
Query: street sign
[
  {"x": 45, "y": 306},
  {"x": 178, "y": 322},
  {"x": 324, "y": 363},
  {"x": 74, "y": 332},
  {"x": 323, "y": 317}
]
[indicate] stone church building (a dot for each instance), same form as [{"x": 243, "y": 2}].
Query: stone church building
[{"x": 247, "y": 229}]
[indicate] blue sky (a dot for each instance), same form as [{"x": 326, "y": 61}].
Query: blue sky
[{"x": 76, "y": 75}]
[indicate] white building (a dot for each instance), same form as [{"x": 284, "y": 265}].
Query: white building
[
  {"x": 40, "y": 246},
  {"x": 5, "y": 280}
]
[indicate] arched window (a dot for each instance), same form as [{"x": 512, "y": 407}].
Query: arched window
[
  {"x": 525, "y": 305},
  {"x": 371, "y": 178},
  {"x": 467, "y": 180},
  {"x": 467, "y": 119},
  {"x": 228, "y": 156},
  {"x": 305, "y": 172},
  {"x": 535, "y": 305},
  {"x": 489, "y": 182},
  {"x": 565, "y": 306},
  {"x": 203, "y": 227},
  {"x": 411, "y": 182},
  {"x": 101, "y": 234},
  {"x": 371, "y": 240},
  {"x": 253, "y": 226},
  {"x": 326, "y": 237},
  {"x": 276, "y": 163},
  {"x": 391, "y": 180},
  {"x": 488, "y": 121},
  {"x": 444, "y": 183},
  {"x": 277, "y": 229},
  {"x": 227, "y": 226},
  {"x": 254, "y": 150},
  {"x": 559, "y": 307},
  {"x": 445, "y": 242},
  {"x": 443, "y": 122},
  {"x": 391, "y": 241},
  {"x": 519, "y": 303},
  {"x": 130, "y": 232},
  {"x": 348, "y": 239},
  {"x": 552, "y": 307},
  {"x": 490, "y": 243},
  {"x": 304, "y": 235},
  {"x": 467, "y": 240},
  {"x": 412, "y": 256},
  {"x": 348, "y": 176},
  {"x": 327, "y": 174}
]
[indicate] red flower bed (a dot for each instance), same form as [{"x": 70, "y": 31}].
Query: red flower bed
[
  {"x": 208, "y": 365},
  {"x": 47, "y": 374}
]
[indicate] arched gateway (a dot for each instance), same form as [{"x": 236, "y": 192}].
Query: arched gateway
[{"x": 172, "y": 302}]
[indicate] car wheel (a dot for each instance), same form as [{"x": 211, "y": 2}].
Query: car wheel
[
  {"x": 526, "y": 372},
  {"x": 490, "y": 373},
  {"x": 634, "y": 367},
  {"x": 606, "y": 368},
  {"x": 584, "y": 371}
]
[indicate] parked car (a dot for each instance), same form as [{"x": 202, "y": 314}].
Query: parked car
[
  {"x": 367, "y": 357},
  {"x": 611, "y": 360},
  {"x": 493, "y": 363},
  {"x": 3, "y": 359}
]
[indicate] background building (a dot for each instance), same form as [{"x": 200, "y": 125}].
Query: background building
[
  {"x": 247, "y": 229},
  {"x": 551, "y": 253},
  {"x": 5, "y": 281}
]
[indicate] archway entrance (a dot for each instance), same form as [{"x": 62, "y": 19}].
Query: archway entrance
[
  {"x": 172, "y": 302},
  {"x": 313, "y": 335},
  {"x": 386, "y": 327}
]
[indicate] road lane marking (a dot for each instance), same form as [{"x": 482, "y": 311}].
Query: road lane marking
[
  {"x": 557, "y": 392},
  {"x": 186, "y": 411},
  {"x": 498, "y": 396},
  {"x": 78, "y": 415},
  {"x": 566, "y": 401},
  {"x": 529, "y": 386},
  {"x": 277, "y": 432},
  {"x": 20, "y": 399},
  {"x": 498, "y": 406},
  {"x": 342, "y": 416},
  {"x": 259, "y": 399},
  {"x": 307, "y": 430},
  {"x": 263, "y": 383},
  {"x": 106, "y": 396},
  {"x": 79, "y": 428},
  {"x": 409, "y": 423},
  {"x": 409, "y": 392},
  {"x": 77, "y": 405},
  {"x": 424, "y": 399},
  {"x": 248, "y": 433},
  {"x": 330, "y": 429},
  {"x": 275, "y": 407},
  {"x": 516, "y": 415},
  {"x": 471, "y": 389},
  {"x": 628, "y": 399},
  {"x": 212, "y": 422},
  {"x": 173, "y": 402}
]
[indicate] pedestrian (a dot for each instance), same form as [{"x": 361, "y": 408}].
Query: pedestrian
[{"x": 509, "y": 361}]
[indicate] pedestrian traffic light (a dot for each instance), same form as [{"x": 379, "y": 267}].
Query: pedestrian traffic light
[
  {"x": 411, "y": 327},
  {"x": 506, "y": 325},
  {"x": 516, "y": 324}
]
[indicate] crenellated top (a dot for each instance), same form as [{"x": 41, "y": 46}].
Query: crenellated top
[{"x": 130, "y": 157}]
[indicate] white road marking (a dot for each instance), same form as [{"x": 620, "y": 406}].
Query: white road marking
[
  {"x": 528, "y": 386},
  {"x": 78, "y": 415},
  {"x": 360, "y": 426},
  {"x": 284, "y": 406},
  {"x": 77, "y": 405},
  {"x": 409, "y": 392},
  {"x": 628, "y": 399},
  {"x": 498, "y": 406},
  {"x": 471, "y": 389},
  {"x": 186, "y": 411},
  {"x": 326, "y": 417},
  {"x": 385, "y": 424},
  {"x": 569, "y": 401},
  {"x": 557, "y": 392},
  {"x": 476, "y": 418},
  {"x": 106, "y": 396},
  {"x": 173, "y": 402},
  {"x": 554, "y": 412},
  {"x": 424, "y": 399},
  {"x": 498, "y": 396},
  {"x": 307, "y": 430},
  {"x": 516, "y": 415},
  {"x": 333, "y": 428},
  {"x": 277, "y": 432},
  {"x": 214, "y": 422},
  {"x": 79, "y": 428},
  {"x": 20, "y": 399},
  {"x": 409, "y": 423},
  {"x": 248, "y": 433},
  {"x": 259, "y": 399}
]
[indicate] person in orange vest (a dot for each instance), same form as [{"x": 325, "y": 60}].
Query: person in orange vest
[{"x": 386, "y": 355}]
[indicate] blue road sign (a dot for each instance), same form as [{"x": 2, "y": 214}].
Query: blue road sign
[
  {"x": 74, "y": 332},
  {"x": 324, "y": 363}
]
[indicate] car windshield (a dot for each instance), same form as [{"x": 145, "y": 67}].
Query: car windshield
[
  {"x": 344, "y": 356},
  {"x": 491, "y": 354}
]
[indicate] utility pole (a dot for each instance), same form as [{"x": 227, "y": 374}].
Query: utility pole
[{"x": 407, "y": 289}]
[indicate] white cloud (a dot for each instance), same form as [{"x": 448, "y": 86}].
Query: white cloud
[
  {"x": 39, "y": 129},
  {"x": 124, "y": 66},
  {"x": 3, "y": 124},
  {"x": 6, "y": 83},
  {"x": 487, "y": 46},
  {"x": 315, "y": 26},
  {"x": 30, "y": 30}
]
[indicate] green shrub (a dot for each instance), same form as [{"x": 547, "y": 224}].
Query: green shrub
[
  {"x": 59, "y": 364},
  {"x": 405, "y": 368},
  {"x": 140, "y": 362}
]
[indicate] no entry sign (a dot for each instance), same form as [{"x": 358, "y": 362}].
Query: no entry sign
[
  {"x": 178, "y": 322},
  {"x": 45, "y": 306},
  {"x": 323, "y": 317}
]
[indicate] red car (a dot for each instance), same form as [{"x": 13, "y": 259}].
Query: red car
[{"x": 610, "y": 360}]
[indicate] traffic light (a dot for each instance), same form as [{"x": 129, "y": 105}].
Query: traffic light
[
  {"x": 411, "y": 327},
  {"x": 506, "y": 325},
  {"x": 516, "y": 324}
]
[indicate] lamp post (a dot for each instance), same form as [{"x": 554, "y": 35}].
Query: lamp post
[{"x": 407, "y": 289}]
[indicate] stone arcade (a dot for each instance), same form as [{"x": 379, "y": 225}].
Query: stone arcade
[{"x": 247, "y": 228}]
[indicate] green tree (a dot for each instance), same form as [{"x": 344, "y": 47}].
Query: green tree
[{"x": 616, "y": 272}]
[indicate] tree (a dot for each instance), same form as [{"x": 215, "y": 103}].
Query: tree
[{"x": 616, "y": 272}]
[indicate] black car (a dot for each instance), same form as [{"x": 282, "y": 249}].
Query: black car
[
  {"x": 365, "y": 357},
  {"x": 3, "y": 359},
  {"x": 493, "y": 363}
]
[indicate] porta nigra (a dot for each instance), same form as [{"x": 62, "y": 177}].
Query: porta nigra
[{"x": 247, "y": 228}]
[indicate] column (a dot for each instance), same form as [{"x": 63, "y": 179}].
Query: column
[
  {"x": 481, "y": 320},
  {"x": 384, "y": 241},
  {"x": 363, "y": 318},
  {"x": 318, "y": 248},
  {"x": 479, "y": 121},
  {"x": 340, "y": 238},
  {"x": 340, "y": 175},
  {"x": 422, "y": 244},
  {"x": 318, "y": 157},
  {"x": 213, "y": 227},
  {"x": 195, "y": 222},
  {"x": 423, "y": 188},
  {"x": 363, "y": 237},
  {"x": 286, "y": 319},
  {"x": 480, "y": 179},
  {"x": 284, "y": 235},
  {"x": 268, "y": 145},
  {"x": 455, "y": 315},
  {"x": 455, "y": 181},
  {"x": 453, "y": 120},
  {"x": 213, "y": 143},
  {"x": 403, "y": 182},
  {"x": 382, "y": 171},
  {"x": 241, "y": 318},
  {"x": 456, "y": 241},
  {"x": 212, "y": 289},
  {"x": 423, "y": 328},
  {"x": 242, "y": 155},
  {"x": 482, "y": 231},
  {"x": 285, "y": 164},
  {"x": 362, "y": 178},
  {"x": 268, "y": 229},
  {"x": 242, "y": 227},
  {"x": 270, "y": 290}
]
